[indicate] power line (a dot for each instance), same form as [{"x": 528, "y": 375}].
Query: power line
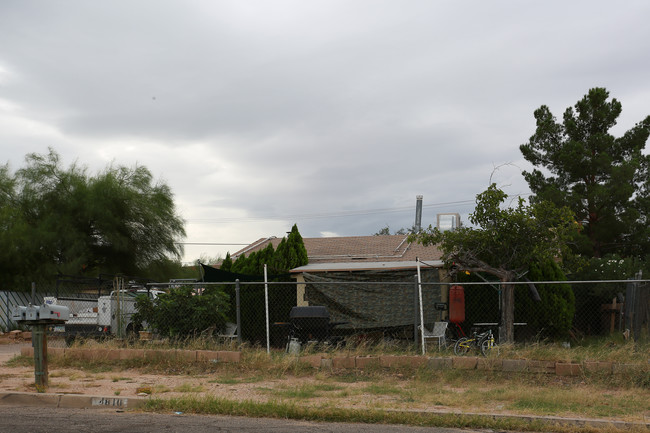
[
  {"x": 301, "y": 216},
  {"x": 331, "y": 214}
]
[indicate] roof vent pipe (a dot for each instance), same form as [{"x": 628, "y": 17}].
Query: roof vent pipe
[{"x": 418, "y": 213}]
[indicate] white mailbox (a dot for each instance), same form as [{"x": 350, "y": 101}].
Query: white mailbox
[
  {"x": 19, "y": 313},
  {"x": 43, "y": 314},
  {"x": 32, "y": 312},
  {"x": 54, "y": 312}
]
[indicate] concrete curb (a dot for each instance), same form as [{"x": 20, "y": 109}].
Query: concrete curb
[
  {"x": 70, "y": 401},
  {"x": 78, "y": 401},
  {"x": 548, "y": 419}
]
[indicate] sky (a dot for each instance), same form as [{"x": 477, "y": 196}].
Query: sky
[{"x": 332, "y": 115}]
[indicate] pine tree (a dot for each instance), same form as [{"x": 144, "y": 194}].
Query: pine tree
[
  {"x": 593, "y": 173},
  {"x": 226, "y": 265}
]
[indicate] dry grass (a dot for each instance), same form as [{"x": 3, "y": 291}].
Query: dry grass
[
  {"x": 297, "y": 386},
  {"x": 189, "y": 387},
  {"x": 612, "y": 349},
  {"x": 290, "y": 410},
  {"x": 532, "y": 394}
]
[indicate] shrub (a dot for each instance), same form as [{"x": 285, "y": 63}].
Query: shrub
[
  {"x": 182, "y": 311},
  {"x": 552, "y": 316}
]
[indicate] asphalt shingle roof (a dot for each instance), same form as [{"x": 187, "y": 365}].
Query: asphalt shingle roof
[{"x": 358, "y": 249}]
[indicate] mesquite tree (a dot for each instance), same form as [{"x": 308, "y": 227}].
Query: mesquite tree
[
  {"x": 57, "y": 220},
  {"x": 504, "y": 243}
]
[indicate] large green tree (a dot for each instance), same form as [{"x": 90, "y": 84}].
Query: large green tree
[
  {"x": 504, "y": 242},
  {"x": 579, "y": 164},
  {"x": 58, "y": 220}
]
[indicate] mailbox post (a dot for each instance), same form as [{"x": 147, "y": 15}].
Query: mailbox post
[
  {"x": 39, "y": 342},
  {"x": 39, "y": 317}
]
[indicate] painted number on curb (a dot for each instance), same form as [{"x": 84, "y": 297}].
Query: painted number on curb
[{"x": 111, "y": 402}]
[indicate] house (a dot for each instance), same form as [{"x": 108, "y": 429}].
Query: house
[{"x": 368, "y": 282}]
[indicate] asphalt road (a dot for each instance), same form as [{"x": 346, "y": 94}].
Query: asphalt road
[{"x": 36, "y": 420}]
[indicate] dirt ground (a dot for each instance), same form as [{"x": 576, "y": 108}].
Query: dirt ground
[
  {"x": 132, "y": 383},
  {"x": 126, "y": 383},
  {"x": 317, "y": 390}
]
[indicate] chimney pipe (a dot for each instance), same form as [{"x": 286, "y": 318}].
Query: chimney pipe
[{"x": 418, "y": 213}]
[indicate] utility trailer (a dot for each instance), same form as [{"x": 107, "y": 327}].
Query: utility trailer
[{"x": 106, "y": 316}]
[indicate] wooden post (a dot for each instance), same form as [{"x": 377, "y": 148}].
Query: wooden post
[
  {"x": 39, "y": 342},
  {"x": 507, "y": 325},
  {"x": 612, "y": 324}
]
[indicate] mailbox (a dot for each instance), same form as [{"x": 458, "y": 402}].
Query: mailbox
[
  {"x": 39, "y": 317},
  {"x": 41, "y": 314},
  {"x": 19, "y": 313},
  {"x": 32, "y": 313},
  {"x": 54, "y": 312}
]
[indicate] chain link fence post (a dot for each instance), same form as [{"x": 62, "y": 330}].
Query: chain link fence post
[{"x": 238, "y": 305}]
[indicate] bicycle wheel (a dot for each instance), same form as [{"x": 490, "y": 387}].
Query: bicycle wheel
[
  {"x": 462, "y": 346},
  {"x": 453, "y": 333},
  {"x": 486, "y": 345}
]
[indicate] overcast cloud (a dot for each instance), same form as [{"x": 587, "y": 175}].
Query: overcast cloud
[{"x": 330, "y": 114}]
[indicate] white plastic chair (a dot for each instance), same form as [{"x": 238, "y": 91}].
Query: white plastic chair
[
  {"x": 438, "y": 333},
  {"x": 230, "y": 333}
]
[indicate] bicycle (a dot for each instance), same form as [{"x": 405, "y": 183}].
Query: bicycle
[
  {"x": 483, "y": 342},
  {"x": 454, "y": 333}
]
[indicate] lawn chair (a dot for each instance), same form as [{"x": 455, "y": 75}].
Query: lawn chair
[
  {"x": 438, "y": 333},
  {"x": 230, "y": 333}
]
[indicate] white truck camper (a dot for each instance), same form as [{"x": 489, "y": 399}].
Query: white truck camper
[{"x": 109, "y": 315}]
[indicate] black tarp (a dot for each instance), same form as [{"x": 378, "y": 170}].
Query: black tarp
[
  {"x": 361, "y": 303},
  {"x": 214, "y": 275}
]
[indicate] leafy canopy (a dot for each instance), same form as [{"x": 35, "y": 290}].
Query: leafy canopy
[
  {"x": 182, "y": 311},
  {"x": 506, "y": 240},
  {"x": 579, "y": 164},
  {"x": 66, "y": 221}
]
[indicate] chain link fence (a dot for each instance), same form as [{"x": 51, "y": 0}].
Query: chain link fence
[
  {"x": 99, "y": 307},
  {"x": 334, "y": 309}
]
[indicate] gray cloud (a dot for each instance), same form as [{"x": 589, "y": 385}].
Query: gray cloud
[{"x": 261, "y": 114}]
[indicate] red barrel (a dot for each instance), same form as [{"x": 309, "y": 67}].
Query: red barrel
[{"x": 456, "y": 304}]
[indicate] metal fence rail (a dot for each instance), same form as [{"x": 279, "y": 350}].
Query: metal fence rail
[{"x": 264, "y": 313}]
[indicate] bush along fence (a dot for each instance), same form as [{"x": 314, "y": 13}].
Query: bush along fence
[{"x": 332, "y": 309}]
